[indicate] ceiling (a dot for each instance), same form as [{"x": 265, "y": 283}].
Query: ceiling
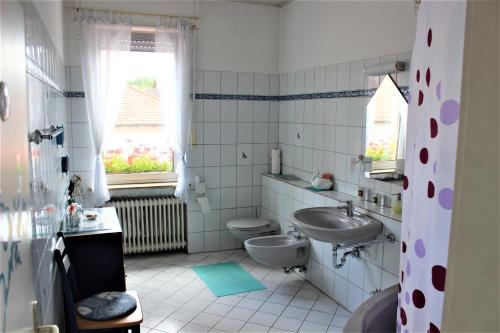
[{"x": 271, "y": 3}]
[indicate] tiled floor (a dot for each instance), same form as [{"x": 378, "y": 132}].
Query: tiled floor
[{"x": 175, "y": 299}]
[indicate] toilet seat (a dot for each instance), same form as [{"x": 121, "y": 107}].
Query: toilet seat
[{"x": 247, "y": 224}]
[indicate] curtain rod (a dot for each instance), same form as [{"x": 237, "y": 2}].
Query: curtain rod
[{"x": 143, "y": 14}]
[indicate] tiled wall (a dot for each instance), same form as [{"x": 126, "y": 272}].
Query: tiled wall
[
  {"x": 376, "y": 268},
  {"x": 328, "y": 133},
  {"x": 227, "y": 128},
  {"x": 81, "y": 149},
  {"x": 233, "y": 116},
  {"x": 47, "y": 107}
]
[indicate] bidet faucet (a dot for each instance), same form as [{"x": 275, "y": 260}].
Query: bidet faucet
[
  {"x": 348, "y": 207},
  {"x": 294, "y": 232}
]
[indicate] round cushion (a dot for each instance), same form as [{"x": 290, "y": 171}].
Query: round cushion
[
  {"x": 247, "y": 224},
  {"x": 106, "y": 306}
]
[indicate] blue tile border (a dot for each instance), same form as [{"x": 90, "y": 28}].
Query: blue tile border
[{"x": 333, "y": 94}]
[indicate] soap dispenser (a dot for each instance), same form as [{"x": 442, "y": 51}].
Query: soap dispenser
[{"x": 397, "y": 205}]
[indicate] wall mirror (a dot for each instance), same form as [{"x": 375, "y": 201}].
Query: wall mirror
[{"x": 385, "y": 144}]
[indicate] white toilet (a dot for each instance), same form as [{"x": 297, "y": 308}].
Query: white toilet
[{"x": 247, "y": 228}]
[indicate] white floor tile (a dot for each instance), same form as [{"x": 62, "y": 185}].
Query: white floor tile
[
  {"x": 323, "y": 305},
  {"x": 294, "y": 312},
  {"x": 318, "y": 317},
  {"x": 254, "y": 328},
  {"x": 193, "y": 328},
  {"x": 263, "y": 318},
  {"x": 184, "y": 314},
  {"x": 175, "y": 299},
  {"x": 251, "y": 304},
  {"x": 229, "y": 324},
  {"x": 339, "y": 321},
  {"x": 240, "y": 313},
  {"x": 218, "y": 309},
  {"x": 334, "y": 329},
  {"x": 288, "y": 324},
  {"x": 280, "y": 299},
  {"x": 197, "y": 304},
  {"x": 229, "y": 300},
  {"x": 272, "y": 308},
  {"x": 170, "y": 325},
  {"x": 308, "y": 327},
  {"x": 151, "y": 319},
  {"x": 342, "y": 312},
  {"x": 260, "y": 295},
  {"x": 302, "y": 302},
  {"x": 206, "y": 319}
]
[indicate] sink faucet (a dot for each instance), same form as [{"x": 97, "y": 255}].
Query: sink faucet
[
  {"x": 294, "y": 232},
  {"x": 348, "y": 207}
]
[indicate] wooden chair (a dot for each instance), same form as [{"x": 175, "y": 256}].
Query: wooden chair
[{"x": 74, "y": 322}]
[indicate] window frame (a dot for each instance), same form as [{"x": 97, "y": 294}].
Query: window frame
[{"x": 146, "y": 178}]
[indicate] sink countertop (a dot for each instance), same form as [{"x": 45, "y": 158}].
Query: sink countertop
[{"x": 339, "y": 196}]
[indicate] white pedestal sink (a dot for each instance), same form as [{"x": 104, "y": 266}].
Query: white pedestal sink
[{"x": 331, "y": 225}]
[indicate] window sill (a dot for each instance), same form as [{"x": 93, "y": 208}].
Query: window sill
[{"x": 144, "y": 185}]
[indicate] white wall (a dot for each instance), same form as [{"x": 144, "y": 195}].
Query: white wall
[
  {"x": 320, "y": 33},
  {"x": 51, "y": 13},
  {"x": 232, "y": 37}
]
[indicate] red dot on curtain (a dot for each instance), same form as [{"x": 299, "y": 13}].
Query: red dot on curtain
[
  {"x": 403, "y": 246},
  {"x": 402, "y": 314},
  {"x": 418, "y": 298},
  {"x": 430, "y": 189},
  {"x": 420, "y": 97},
  {"x": 429, "y": 37},
  {"x": 418, "y": 75},
  {"x": 434, "y": 127},
  {"x": 424, "y": 155},
  {"x": 428, "y": 76},
  {"x": 405, "y": 183},
  {"x": 433, "y": 328},
  {"x": 438, "y": 277}
]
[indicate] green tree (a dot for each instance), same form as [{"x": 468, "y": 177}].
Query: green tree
[{"x": 143, "y": 82}]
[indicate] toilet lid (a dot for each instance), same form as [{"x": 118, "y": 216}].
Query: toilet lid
[{"x": 247, "y": 224}]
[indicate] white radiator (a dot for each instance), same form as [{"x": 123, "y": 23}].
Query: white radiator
[{"x": 151, "y": 224}]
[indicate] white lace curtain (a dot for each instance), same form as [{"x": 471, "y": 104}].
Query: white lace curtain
[
  {"x": 105, "y": 39},
  {"x": 176, "y": 36},
  {"x": 104, "y": 42}
]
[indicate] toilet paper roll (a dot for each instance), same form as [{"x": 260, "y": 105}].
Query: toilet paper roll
[
  {"x": 204, "y": 205},
  {"x": 275, "y": 161},
  {"x": 200, "y": 188}
]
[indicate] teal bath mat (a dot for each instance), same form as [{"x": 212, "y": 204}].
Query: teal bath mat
[{"x": 227, "y": 278}]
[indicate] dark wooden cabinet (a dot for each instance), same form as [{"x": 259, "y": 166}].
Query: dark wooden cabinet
[{"x": 96, "y": 254}]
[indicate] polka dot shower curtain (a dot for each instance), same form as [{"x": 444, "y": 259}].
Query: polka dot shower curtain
[{"x": 433, "y": 116}]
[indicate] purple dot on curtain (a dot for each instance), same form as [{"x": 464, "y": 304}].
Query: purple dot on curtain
[
  {"x": 407, "y": 297},
  {"x": 449, "y": 112},
  {"x": 420, "y": 248},
  {"x": 406, "y": 331},
  {"x": 408, "y": 268},
  {"x": 446, "y": 198},
  {"x": 438, "y": 90}
]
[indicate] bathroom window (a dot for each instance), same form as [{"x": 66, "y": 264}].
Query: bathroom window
[
  {"x": 385, "y": 130},
  {"x": 137, "y": 150}
]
